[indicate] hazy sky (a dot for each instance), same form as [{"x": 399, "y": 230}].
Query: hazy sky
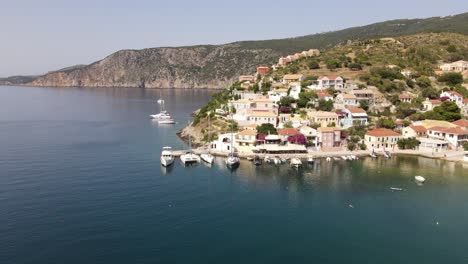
[{"x": 42, "y": 35}]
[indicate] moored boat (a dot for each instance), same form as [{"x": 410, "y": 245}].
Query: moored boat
[
  {"x": 207, "y": 157},
  {"x": 257, "y": 161},
  {"x": 310, "y": 160},
  {"x": 295, "y": 162},
  {"x": 167, "y": 158},
  {"x": 419, "y": 179}
]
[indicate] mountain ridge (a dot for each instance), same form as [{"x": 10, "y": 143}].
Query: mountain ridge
[{"x": 217, "y": 66}]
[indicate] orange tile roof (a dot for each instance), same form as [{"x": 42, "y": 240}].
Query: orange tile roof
[
  {"x": 455, "y": 93},
  {"x": 357, "y": 110},
  {"x": 419, "y": 129},
  {"x": 382, "y": 132},
  {"x": 288, "y": 132},
  {"x": 248, "y": 132},
  {"x": 461, "y": 122},
  {"x": 435, "y": 101},
  {"x": 451, "y": 130},
  {"x": 328, "y": 129}
]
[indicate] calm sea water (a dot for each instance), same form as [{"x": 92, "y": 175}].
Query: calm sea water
[{"x": 80, "y": 182}]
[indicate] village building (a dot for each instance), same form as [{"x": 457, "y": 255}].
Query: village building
[
  {"x": 453, "y": 96},
  {"x": 429, "y": 104},
  {"x": 262, "y": 70},
  {"x": 223, "y": 143},
  {"x": 277, "y": 94},
  {"x": 324, "y": 95},
  {"x": 381, "y": 138},
  {"x": 247, "y": 95},
  {"x": 311, "y": 53},
  {"x": 295, "y": 120},
  {"x": 346, "y": 99},
  {"x": 364, "y": 95},
  {"x": 414, "y": 131},
  {"x": 283, "y": 61},
  {"x": 405, "y": 98},
  {"x": 325, "y": 82},
  {"x": 247, "y": 84},
  {"x": 353, "y": 117},
  {"x": 458, "y": 66},
  {"x": 295, "y": 90},
  {"x": 329, "y": 138},
  {"x": 463, "y": 123},
  {"x": 264, "y": 104},
  {"x": 289, "y": 78},
  {"x": 323, "y": 118},
  {"x": 434, "y": 145},
  {"x": 247, "y": 78},
  {"x": 285, "y": 133},
  {"x": 259, "y": 117},
  {"x": 455, "y": 136},
  {"x": 246, "y": 137}
]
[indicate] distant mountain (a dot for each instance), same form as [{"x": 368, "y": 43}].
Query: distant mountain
[
  {"x": 17, "y": 80},
  {"x": 217, "y": 66}
]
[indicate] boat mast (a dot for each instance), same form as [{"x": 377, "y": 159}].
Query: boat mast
[{"x": 209, "y": 134}]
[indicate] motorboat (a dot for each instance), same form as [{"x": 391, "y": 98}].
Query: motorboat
[
  {"x": 257, "y": 161},
  {"x": 295, "y": 162},
  {"x": 344, "y": 157},
  {"x": 419, "y": 179},
  {"x": 250, "y": 158},
  {"x": 372, "y": 155},
  {"x": 335, "y": 158},
  {"x": 310, "y": 160},
  {"x": 328, "y": 159},
  {"x": 207, "y": 157},
  {"x": 276, "y": 160},
  {"x": 167, "y": 158},
  {"x": 396, "y": 189},
  {"x": 163, "y": 114}
]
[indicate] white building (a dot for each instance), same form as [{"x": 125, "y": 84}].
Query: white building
[
  {"x": 381, "y": 138},
  {"x": 325, "y": 82},
  {"x": 454, "y": 97},
  {"x": 455, "y": 136},
  {"x": 295, "y": 90},
  {"x": 223, "y": 143},
  {"x": 458, "y": 66}
]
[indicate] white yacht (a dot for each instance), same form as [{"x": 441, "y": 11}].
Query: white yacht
[
  {"x": 168, "y": 121},
  {"x": 420, "y": 179},
  {"x": 232, "y": 161},
  {"x": 163, "y": 114},
  {"x": 167, "y": 158}
]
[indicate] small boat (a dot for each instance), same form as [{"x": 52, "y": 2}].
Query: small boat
[
  {"x": 310, "y": 160},
  {"x": 267, "y": 159},
  {"x": 328, "y": 159},
  {"x": 335, "y": 158},
  {"x": 163, "y": 114},
  {"x": 396, "y": 189},
  {"x": 189, "y": 157},
  {"x": 283, "y": 160},
  {"x": 295, "y": 162},
  {"x": 276, "y": 160},
  {"x": 420, "y": 179},
  {"x": 207, "y": 157},
  {"x": 250, "y": 158},
  {"x": 257, "y": 161},
  {"x": 344, "y": 157},
  {"x": 169, "y": 121},
  {"x": 167, "y": 158},
  {"x": 372, "y": 155},
  {"x": 386, "y": 155}
]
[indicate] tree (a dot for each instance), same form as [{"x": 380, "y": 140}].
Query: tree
[
  {"x": 408, "y": 143},
  {"x": 423, "y": 82},
  {"x": 333, "y": 64},
  {"x": 354, "y": 66},
  {"x": 429, "y": 92},
  {"x": 267, "y": 129},
  {"x": 313, "y": 64},
  {"x": 465, "y": 146},
  {"x": 386, "y": 123},
  {"x": 451, "y": 78},
  {"x": 288, "y": 124},
  {"x": 404, "y": 110},
  {"x": 364, "y": 104},
  {"x": 286, "y": 101},
  {"x": 305, "y": 97},
  {"x": 448, "y": 111},
  {"x": 325, "y": 105}
]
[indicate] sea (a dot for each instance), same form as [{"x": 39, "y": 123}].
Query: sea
[{"x": 81, "y": 182}]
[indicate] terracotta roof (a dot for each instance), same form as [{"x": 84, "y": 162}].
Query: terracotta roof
[
  {"x": 349, "y": 96},
  {"x": 328, "y": 129},
  {"x": 455, "y": 93},
  {"x": 292, "y": 76},
  {"x": 435, "y": 101},
  {"x": 321, "y": 93},
  {"x": 419, "y": 129},
  {"x": 465, "y": 101},
  {"x": 288, "y": 132},
  {"x": 247, "y": 132},
  {"x": 382, "y": 132},
  {"x": 404, "y": 96},
  {"x": 363, "y": 92},
  {"x": 461, "y": 122},
  {"x": 331, "y": 77},
  {"x": 357, "y": 111},
  {"x": 451, "y": 130},
  {"x": 260, "y": 113}
]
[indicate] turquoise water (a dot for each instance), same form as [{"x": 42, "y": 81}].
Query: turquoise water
[{"x": 80, "y": 182}]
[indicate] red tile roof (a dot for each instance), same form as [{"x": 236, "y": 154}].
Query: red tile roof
[
  {"x": 451, "y": 130},
  {"x": 404, "y": 96},
  {"x": 461, "y": 123},
  {"x": 357, "y": 110},
  {"x": 419, "y": 129},
  {"x": 288, "y": 132},
  {"x": 435, "y": 101},
  {"x": 382, "y": 132},
  {"x": 455, "y": 93}
]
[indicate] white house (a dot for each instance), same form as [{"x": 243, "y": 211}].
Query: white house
[
  {"x": 259, "y": 117},
  {"x": 456, "y": 136},
  {"x": 429, "y": 104},
  {"x": 289, "y": 78},
  {"x": 223, "y": 143},
  {"x": 353, "y": 117},
  {"x": 458, "y": 66},
  {"x": 295, "y": 90},
  {"x": 454, "y": 97},
  {"x": 325, "y": 82},
  {"x": 276, "y": 95},
  {"x": 347, "y": 99},
  {"x": 414, "y": 131}
]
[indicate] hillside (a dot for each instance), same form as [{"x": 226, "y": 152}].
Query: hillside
[{"x": 218, "y": 66}]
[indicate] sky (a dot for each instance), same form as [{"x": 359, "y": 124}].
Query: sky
[{"x": 37, "y": 36}]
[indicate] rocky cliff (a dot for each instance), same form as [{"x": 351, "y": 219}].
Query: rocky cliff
[{"x": 185, "y": 67}]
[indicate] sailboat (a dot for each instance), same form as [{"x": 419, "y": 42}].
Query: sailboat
[
  {"x": 189, "y": 157},
  {"x": 207, "y": 157},
  {"x": 232, "y": 161}
]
